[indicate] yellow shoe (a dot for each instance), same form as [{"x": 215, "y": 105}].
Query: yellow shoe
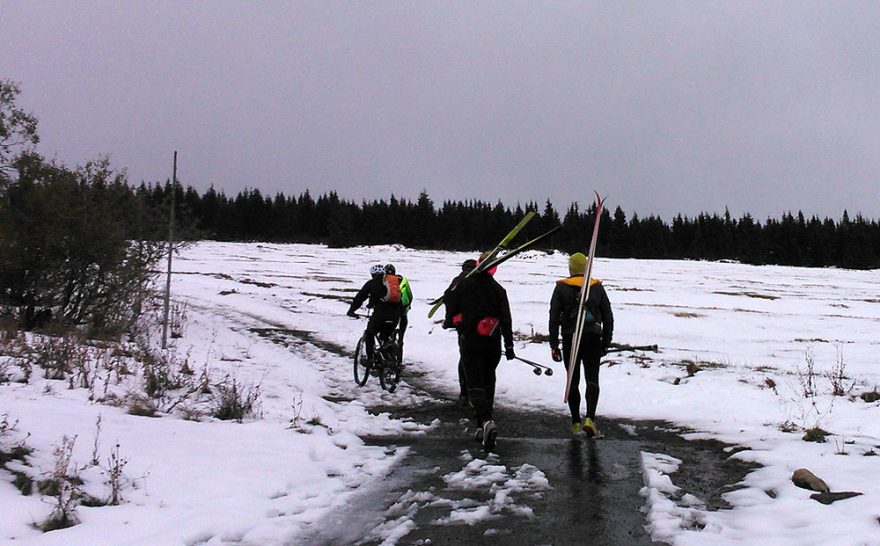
[
  {"x": 590, "y": 427},
  {"x": 577, "y": 428}
]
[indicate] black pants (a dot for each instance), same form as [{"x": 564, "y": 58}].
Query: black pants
[
  {"x": 589, "y": 356},
  {"x": 404, "y": 322},
  {"x": 381, "y": 322},
  {"x": 480, "y": 358},
  {"x": 462, "y": 378}
]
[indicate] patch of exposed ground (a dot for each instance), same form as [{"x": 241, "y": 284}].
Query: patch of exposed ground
[{"x": 748, "y": 294}]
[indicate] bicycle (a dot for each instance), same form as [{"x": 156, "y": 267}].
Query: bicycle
[{"x": 387, "y": 361}]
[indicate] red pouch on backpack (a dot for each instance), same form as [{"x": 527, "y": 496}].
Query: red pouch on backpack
[{"x": 486, "y": 326}]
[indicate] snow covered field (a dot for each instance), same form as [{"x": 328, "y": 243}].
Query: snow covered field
[{"x": 747, "y": 332}]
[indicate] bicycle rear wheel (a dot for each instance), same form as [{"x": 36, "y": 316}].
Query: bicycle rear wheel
[
  {"x": 361, "y": 364},
  {"x": 389, "y": 375}
]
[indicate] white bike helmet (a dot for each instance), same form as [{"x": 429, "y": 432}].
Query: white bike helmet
[{"x": 377, "y": 269}]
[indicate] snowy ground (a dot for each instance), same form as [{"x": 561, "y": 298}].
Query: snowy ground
[{"x": 271, "y": 480}]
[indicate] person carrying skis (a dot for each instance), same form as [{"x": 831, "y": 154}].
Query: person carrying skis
[
  {"x": 406, "y": 297},
  {"x": 598, "y": 329},
  {"x": 481, "y": 310},
  {"x": 466, "y": 268},
  {"x": 384, "y": 298}
]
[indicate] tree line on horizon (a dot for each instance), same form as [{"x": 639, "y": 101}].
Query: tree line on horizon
[
  {"x": 793, "y": 239},
  {"x": 80, "y": 247},
  {"x": 42, "y": 203}
]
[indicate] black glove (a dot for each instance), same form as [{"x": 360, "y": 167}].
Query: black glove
[
  {"x": 447, "y": 325},
  {"x": 555, "y": 354},
  {"x": 351, "y": 313},
  {"x": 508, "y": 352}
]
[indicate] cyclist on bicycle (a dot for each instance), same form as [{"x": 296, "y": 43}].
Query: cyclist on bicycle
[{"x": 384, "y": 299}]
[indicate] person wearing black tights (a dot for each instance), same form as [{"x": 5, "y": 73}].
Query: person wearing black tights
[
  {"x": 481, "y": 312},
  {"x": 597, "y": 333}
]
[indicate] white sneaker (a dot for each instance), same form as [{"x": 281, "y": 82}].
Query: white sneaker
[{"x": 490, "y": 433}]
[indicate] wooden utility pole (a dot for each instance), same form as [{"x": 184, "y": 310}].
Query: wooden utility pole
[{"x": 170, "y": 254}]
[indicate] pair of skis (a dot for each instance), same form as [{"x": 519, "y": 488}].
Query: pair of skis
[
  {"x": 489, "y": 263},
  {"x": 582, "y": 301},
  {"x": 496, "y": 258}
]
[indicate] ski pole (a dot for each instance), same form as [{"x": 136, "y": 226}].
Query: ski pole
[{"x": 537, "y": 368}]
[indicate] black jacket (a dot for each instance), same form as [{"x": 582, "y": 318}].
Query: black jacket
[
  {"x": 373, "y": 290},
  {"x": 477, "y": 297},
  {"x": 563, "y": 310}
]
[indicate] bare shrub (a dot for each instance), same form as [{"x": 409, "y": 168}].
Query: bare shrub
[
  {"x": 177, "y": 319},
  {"x": 807, "y": 376},
  {"x": 788, "y": 426},
  {"x": 95, "y": 461},
  {"x": 235, "y": 402},
  {"x": 816, "y": 434},
  {"x": 189, "y": 412},
  {"x": 60, "y": 356},
  {"x": 162, "y": 371},
  {"x": 141, "y": 405},
  {"x": 117, "y": 363},
  {"x": 13, "y": 448},
  {"x": 15, "y": 353},
  {"x": 296, "y": 407},
  {"x": 6, "y": 425},
  {"x": 26, "y": 369},
  {"x": 63, "y": 484},
  {"x": 85, "y": 372},
  {"x": 838, "y": 377},
  {"x": 115, "y": 464},
  {"x": 8, "y": 327}
]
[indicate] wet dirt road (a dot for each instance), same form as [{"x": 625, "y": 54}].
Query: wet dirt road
[
  {"x": 593, "y": 485},
  {"x": 593, "y": 494},
  {"x": 541, "y": 486}
]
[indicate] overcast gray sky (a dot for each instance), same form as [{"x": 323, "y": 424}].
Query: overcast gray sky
[{"x": 665, "y": 107}]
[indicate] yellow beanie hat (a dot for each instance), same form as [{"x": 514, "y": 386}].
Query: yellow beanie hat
[{"x": 577, "y": 264}]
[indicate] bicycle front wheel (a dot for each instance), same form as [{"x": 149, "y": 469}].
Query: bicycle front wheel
[
  {"x": 389, "y": 376},
  {"x": 361, "y": 364}
]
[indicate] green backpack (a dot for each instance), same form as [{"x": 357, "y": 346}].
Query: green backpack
[{"x": 406, "y": 295}]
